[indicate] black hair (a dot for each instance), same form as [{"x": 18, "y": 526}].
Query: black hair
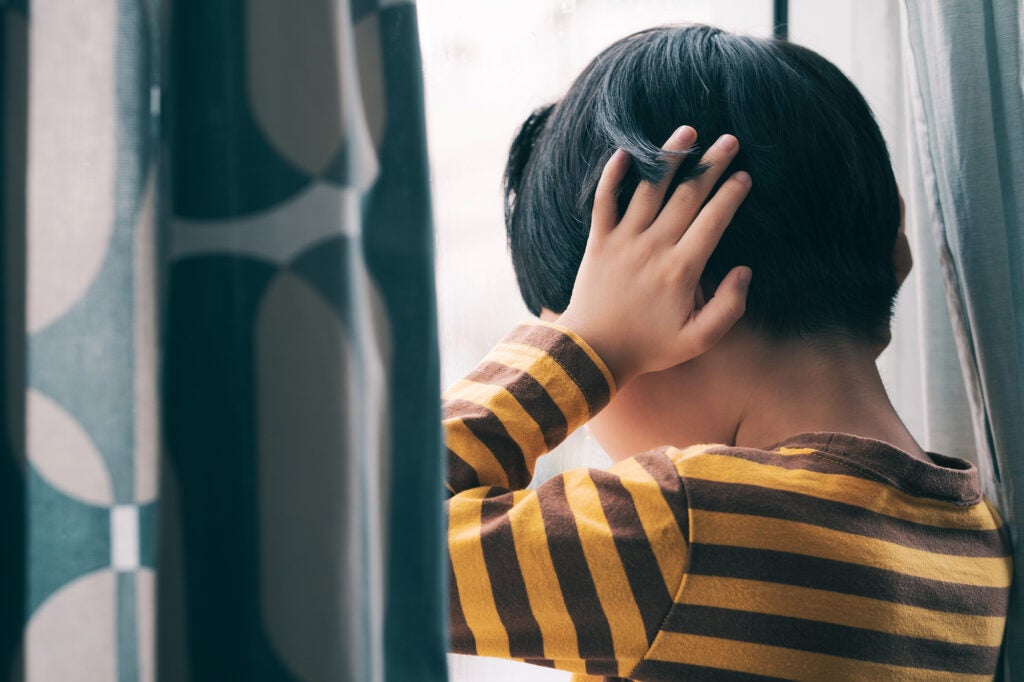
[{"x": 819, "y": 225}]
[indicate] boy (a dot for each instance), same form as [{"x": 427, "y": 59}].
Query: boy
[{"x": 815, "y": 539}]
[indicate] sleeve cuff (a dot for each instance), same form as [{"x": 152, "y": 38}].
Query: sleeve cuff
[
  {"x": 574, "y": 355},
  {"x": 529, "y": 393}
]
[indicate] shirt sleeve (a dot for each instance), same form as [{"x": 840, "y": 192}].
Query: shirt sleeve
[
  {"x": 537, "y": 386},
  {"x": 579, "y": 573}
]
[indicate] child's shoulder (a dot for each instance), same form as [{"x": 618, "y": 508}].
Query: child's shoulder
[
  {"x": 847, "y": 474},
  {"x": 705, "y": 459}
]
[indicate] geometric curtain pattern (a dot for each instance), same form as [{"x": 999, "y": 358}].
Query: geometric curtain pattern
[
  {"x": 231, "y": 440},
  {"x": 90, "y": 403}
]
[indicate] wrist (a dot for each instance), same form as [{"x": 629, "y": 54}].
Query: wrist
[{"x": 618, "y": 363}]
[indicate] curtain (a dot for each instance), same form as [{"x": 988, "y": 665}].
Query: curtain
[
  {"x": 221, "y": 456},
  {"x": 966, "y": 92},
  {"x": 13, "y": 87}
]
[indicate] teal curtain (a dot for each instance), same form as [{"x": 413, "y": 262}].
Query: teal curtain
[
  {"x": 966, "y": 90},
  {"x": 223, "y": 457},
  {"x": 13, "y": 100}
]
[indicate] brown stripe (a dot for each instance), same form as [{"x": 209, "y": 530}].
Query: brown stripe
[
  {"x": 663, "y": 470},
  {"x": 835, "y": 576},
  {"x": 876, "y": 461},
  {"x": 462, "y": 639},
  {"x": 666, "y": 670},
  {"x": 489, "y": 430},
  {"x": 573, "y": 359},
  {"x": 634, "y": 549},
  {"x": 608, "y": 667},
  {"x": 953, "y": 480},
  {"x": 507, "y": 585},
  {"x": 543, "y": 662},
  {"x": 530, "y": 394},
  {"x": 811, "y": 462},
  {"x": 735, "y": 498},
  {"x": 593, "y": 636},
  {"x": 461, "y": 476},
  {"x": 834, "y": 640}
]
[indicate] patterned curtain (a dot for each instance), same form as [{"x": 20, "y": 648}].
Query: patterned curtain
[{"x": 222, "y": 458}]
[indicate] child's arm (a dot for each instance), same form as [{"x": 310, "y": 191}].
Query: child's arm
[
  {"x": 579, "y": 572},
  {"x": 537, "y": 386}
]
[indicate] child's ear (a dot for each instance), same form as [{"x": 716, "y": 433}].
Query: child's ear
[{"x": 902, "y": 259}]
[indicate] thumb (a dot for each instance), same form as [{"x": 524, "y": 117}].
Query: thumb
[{"x": 721, "y": 313}]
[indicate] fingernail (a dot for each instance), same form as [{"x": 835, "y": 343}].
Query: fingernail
[
  {"x": 746, "y": 274},
  {"x": 684, "y": 135},
  {"x": 727, "y": 143},
  {"x": 742, "y": 177}
]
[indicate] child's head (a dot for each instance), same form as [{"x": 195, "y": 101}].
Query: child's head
[
  {"x": 819, "y": 225},
  {"x": 818, "y": 228}
]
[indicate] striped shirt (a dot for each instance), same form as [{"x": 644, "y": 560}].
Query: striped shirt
[{"x": 826, "y": 557}]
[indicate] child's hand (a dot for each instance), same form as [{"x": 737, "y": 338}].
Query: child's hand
[{"x": 637, "y": 295}]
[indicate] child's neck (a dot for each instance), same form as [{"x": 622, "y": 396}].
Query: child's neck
[{"x": 807, "y": 389}]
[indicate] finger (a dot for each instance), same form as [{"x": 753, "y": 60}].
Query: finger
[
  {"x": 688, "y": 197},
  {"x": 648, "y": 197},
  {"x": 700, "y": 240},
  {"x": 606, "y": 211},
  {"x": 721, "y": 313}
]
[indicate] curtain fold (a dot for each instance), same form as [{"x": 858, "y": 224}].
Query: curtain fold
[
  {"x": 89, "y": 401},
  {"x": 967, "y": 103},
  {"x": 221, "y": 454},
  {"x": 13, "y": 125}
]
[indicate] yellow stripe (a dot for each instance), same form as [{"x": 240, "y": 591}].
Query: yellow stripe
[
  {"x": 566, "y": 665},
  {"x": 761, "y": 659},
  {"x": 796, "y": 451},
  {"x": 658, "y": 521},
  {"x": 695, "y": 450},
  {"x": 560, "y": 386},
  {"x": 842, "y": 609},
  {"x": 591, "y": 353},
  {"x": 613, "y": 589},
  {"x": 521, "y": 427},
  {"x": 876, "y": 496},
  {"x": 521, "y": 495},
  {"x": 471, "y": 577},
  {"x": 470, "y": 450},
  {"x": 542, "y": 587},
  {"x": 758, "y": 532},
  {"x": 994, "y": 513}
]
